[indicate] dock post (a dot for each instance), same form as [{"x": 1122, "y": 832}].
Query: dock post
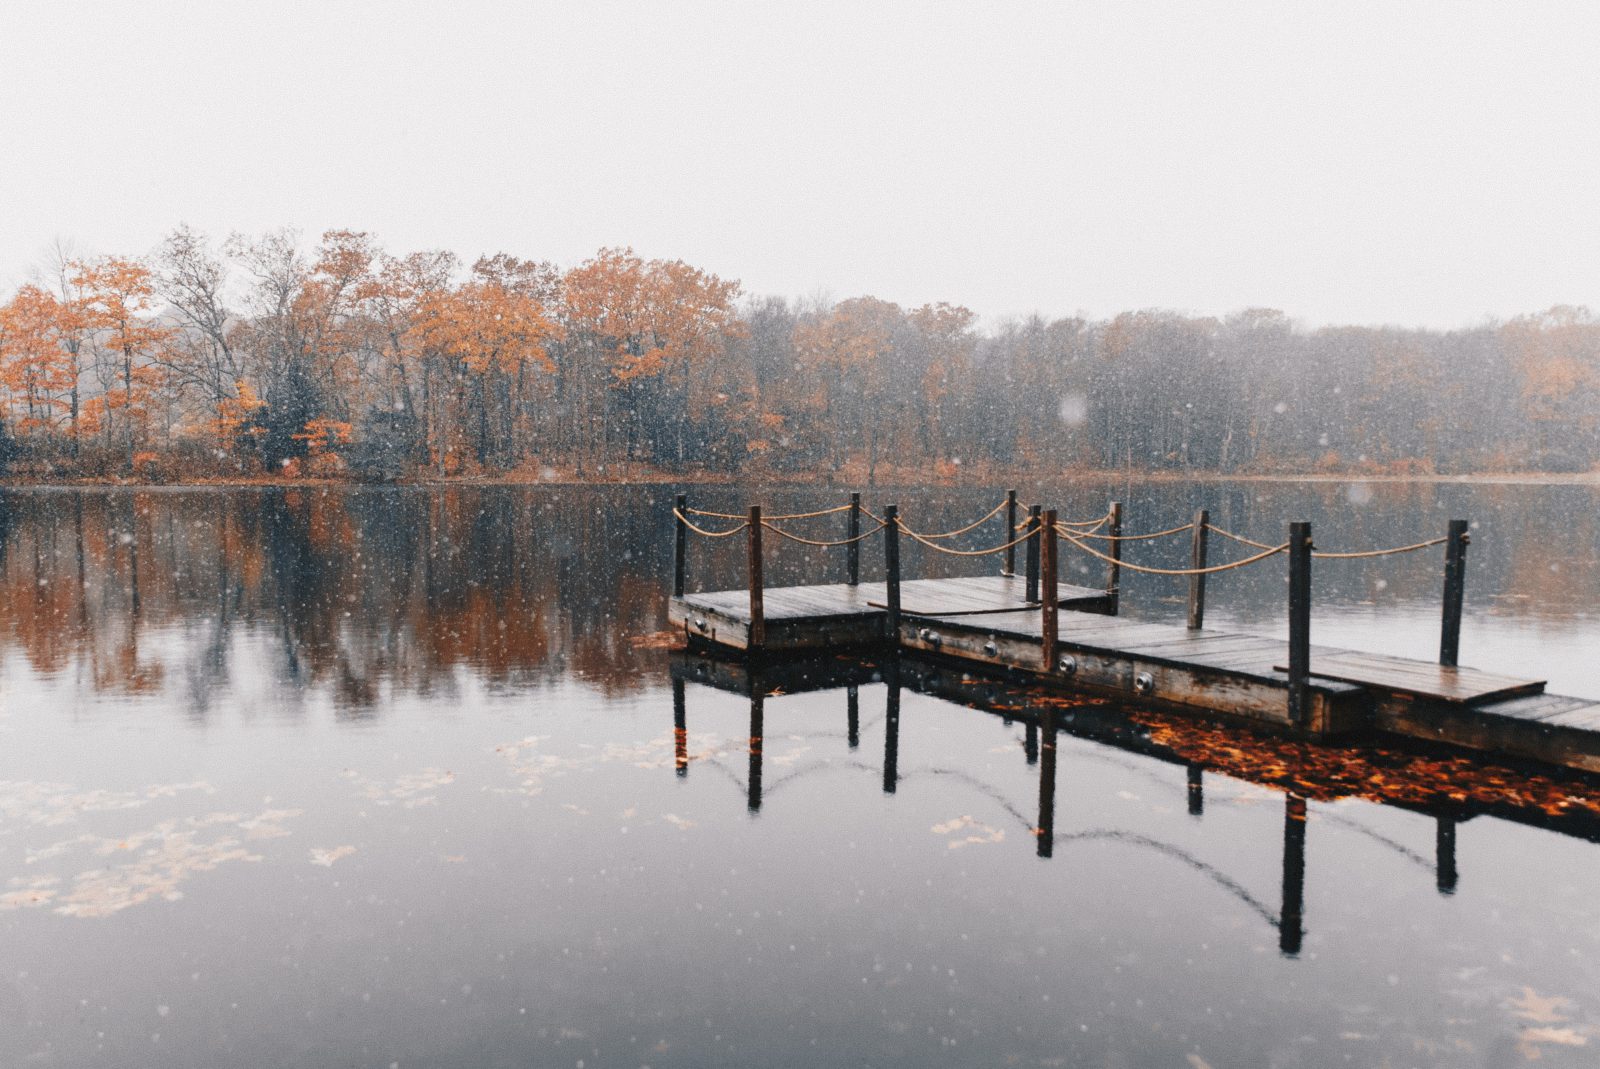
[
  {"x": 1197, "y": 580},
  {"x": 1197, "y": 790},
  {"x": 758, "y": 622},
  {"x": 891, "y": 565},
  {"x": 1455, "y": 582},
  {"x": 680, "y": 729},
  {"x": 758, "y": 700},
  {"x": 1049, "y": 626},
  {"x": 1046, "y": 831},
  {"x": 1031, "y": 591},
  {"x": 1299, "y": 623},
  {"x": 1291, "y": 921},
  {"x": 1011, "y": 533},
  {"x": 852, "y": 552},
  {"x": 1114, "y": 569},
  {"x": 680, "y": 545}
]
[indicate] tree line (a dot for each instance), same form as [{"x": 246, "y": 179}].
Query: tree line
[{"x": 258, "y": 356}]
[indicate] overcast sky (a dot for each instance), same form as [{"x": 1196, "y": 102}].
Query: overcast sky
[{"x": 1410, "y": 163}]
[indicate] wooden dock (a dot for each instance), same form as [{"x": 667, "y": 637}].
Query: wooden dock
[{"x": 1071, "y": 636}]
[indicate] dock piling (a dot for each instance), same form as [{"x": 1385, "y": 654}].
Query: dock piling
[
  {"x": 1114, "y": 569},
  {"x": 891, "y": 565},
  {"x": 853, "y": 550},
  {"x": 680, "y": 545},
  {"x": 1197, "y": 580},
  {"x": 758, "y": 623},
  {"x": 1011, "y": 533},
  {"x": 1050, "y": 625},
  {"x": 1455, "y": 581},
  {"x": 1299, "y": 622},
  {"x": 1031, "y": 558}
]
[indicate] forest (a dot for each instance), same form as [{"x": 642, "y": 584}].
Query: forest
[{"x": 260, "y": 357}]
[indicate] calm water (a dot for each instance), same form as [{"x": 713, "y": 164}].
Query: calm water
[{"x": 382, "y": 777}]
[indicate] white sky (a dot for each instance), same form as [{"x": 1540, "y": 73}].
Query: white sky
[{"x": 1412, "y": 163}]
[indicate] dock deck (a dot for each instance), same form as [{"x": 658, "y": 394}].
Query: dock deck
[{"x": 838, "y": 615}]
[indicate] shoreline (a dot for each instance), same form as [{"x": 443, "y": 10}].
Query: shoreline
[{"x": 891, "y": 478}]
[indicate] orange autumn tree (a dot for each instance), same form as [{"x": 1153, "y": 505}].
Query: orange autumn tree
[
  {"x": 235, "y": 417},
  {"x": 488, "y": 337},
  {"x": 942, "y": 343},
  {"x": 850, "y": 349},
  {"x": 119, "y": 307},
  {"x": 403, "y": 292},
  {"x": 305, "y": 335},
  {"x": 1557, "y": 357},
  {"x": 35, "y": 371},
  {"x": 320, "y": 436},
  {"x": 640, "y": 326}
]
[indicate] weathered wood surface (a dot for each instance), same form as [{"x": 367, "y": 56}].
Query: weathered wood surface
[
  {"x": 1570, "y": 738},
  {"x": 1421, "y": 678},
  {"x": 1108, "y": 653},
  {"x": 918, "y": 597}
]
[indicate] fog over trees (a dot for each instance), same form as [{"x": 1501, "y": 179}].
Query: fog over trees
[{"x": 259, "y": 356}]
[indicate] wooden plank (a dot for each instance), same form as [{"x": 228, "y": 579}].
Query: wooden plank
[
  {"x": 1471, "y": 727},
  {"x": 1181, "y": 643},
  {"x": 1537, "y": 706},
  {"x": 1459, "y": 685},
  {"x": 1584, "y": 719}
]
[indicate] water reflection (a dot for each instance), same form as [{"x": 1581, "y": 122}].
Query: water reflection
[
  {"x": 361, "y": 777},
  {"x": 1045, "y": 716}
]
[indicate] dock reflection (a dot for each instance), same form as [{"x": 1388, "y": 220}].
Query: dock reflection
[{"x": 1043, "y": 723}]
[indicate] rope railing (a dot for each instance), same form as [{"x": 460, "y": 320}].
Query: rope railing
[
  {"x": 1091, "y": 525},
  {"x": 959, "y": 530},
  {"x": 790, "y": 516},
  {"x": 1268, "y": 551},
  {"x": 1330, "y": 555},
  {"x": 818, "y": 542},
  {"x": 970, "y": 552},
  {"x": 710, "y": 534},
  {"x": 1134, "y": 537}
]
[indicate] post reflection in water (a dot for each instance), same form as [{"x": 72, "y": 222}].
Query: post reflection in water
[
  {"x": 758, "y": 701},
  {"x": 1290, "y": 930},
  {"x": 1444, "y": 847},
  {"x": 1046, "y": 833},
  {"x": 680, "y": 729},
  {"x": 1045, "y": 727},
  {"x": 853, "y": 716},
  {"x": 891, "y": 725}
]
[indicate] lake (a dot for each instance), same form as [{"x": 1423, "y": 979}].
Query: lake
[{"x": 395, "y": 777}]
